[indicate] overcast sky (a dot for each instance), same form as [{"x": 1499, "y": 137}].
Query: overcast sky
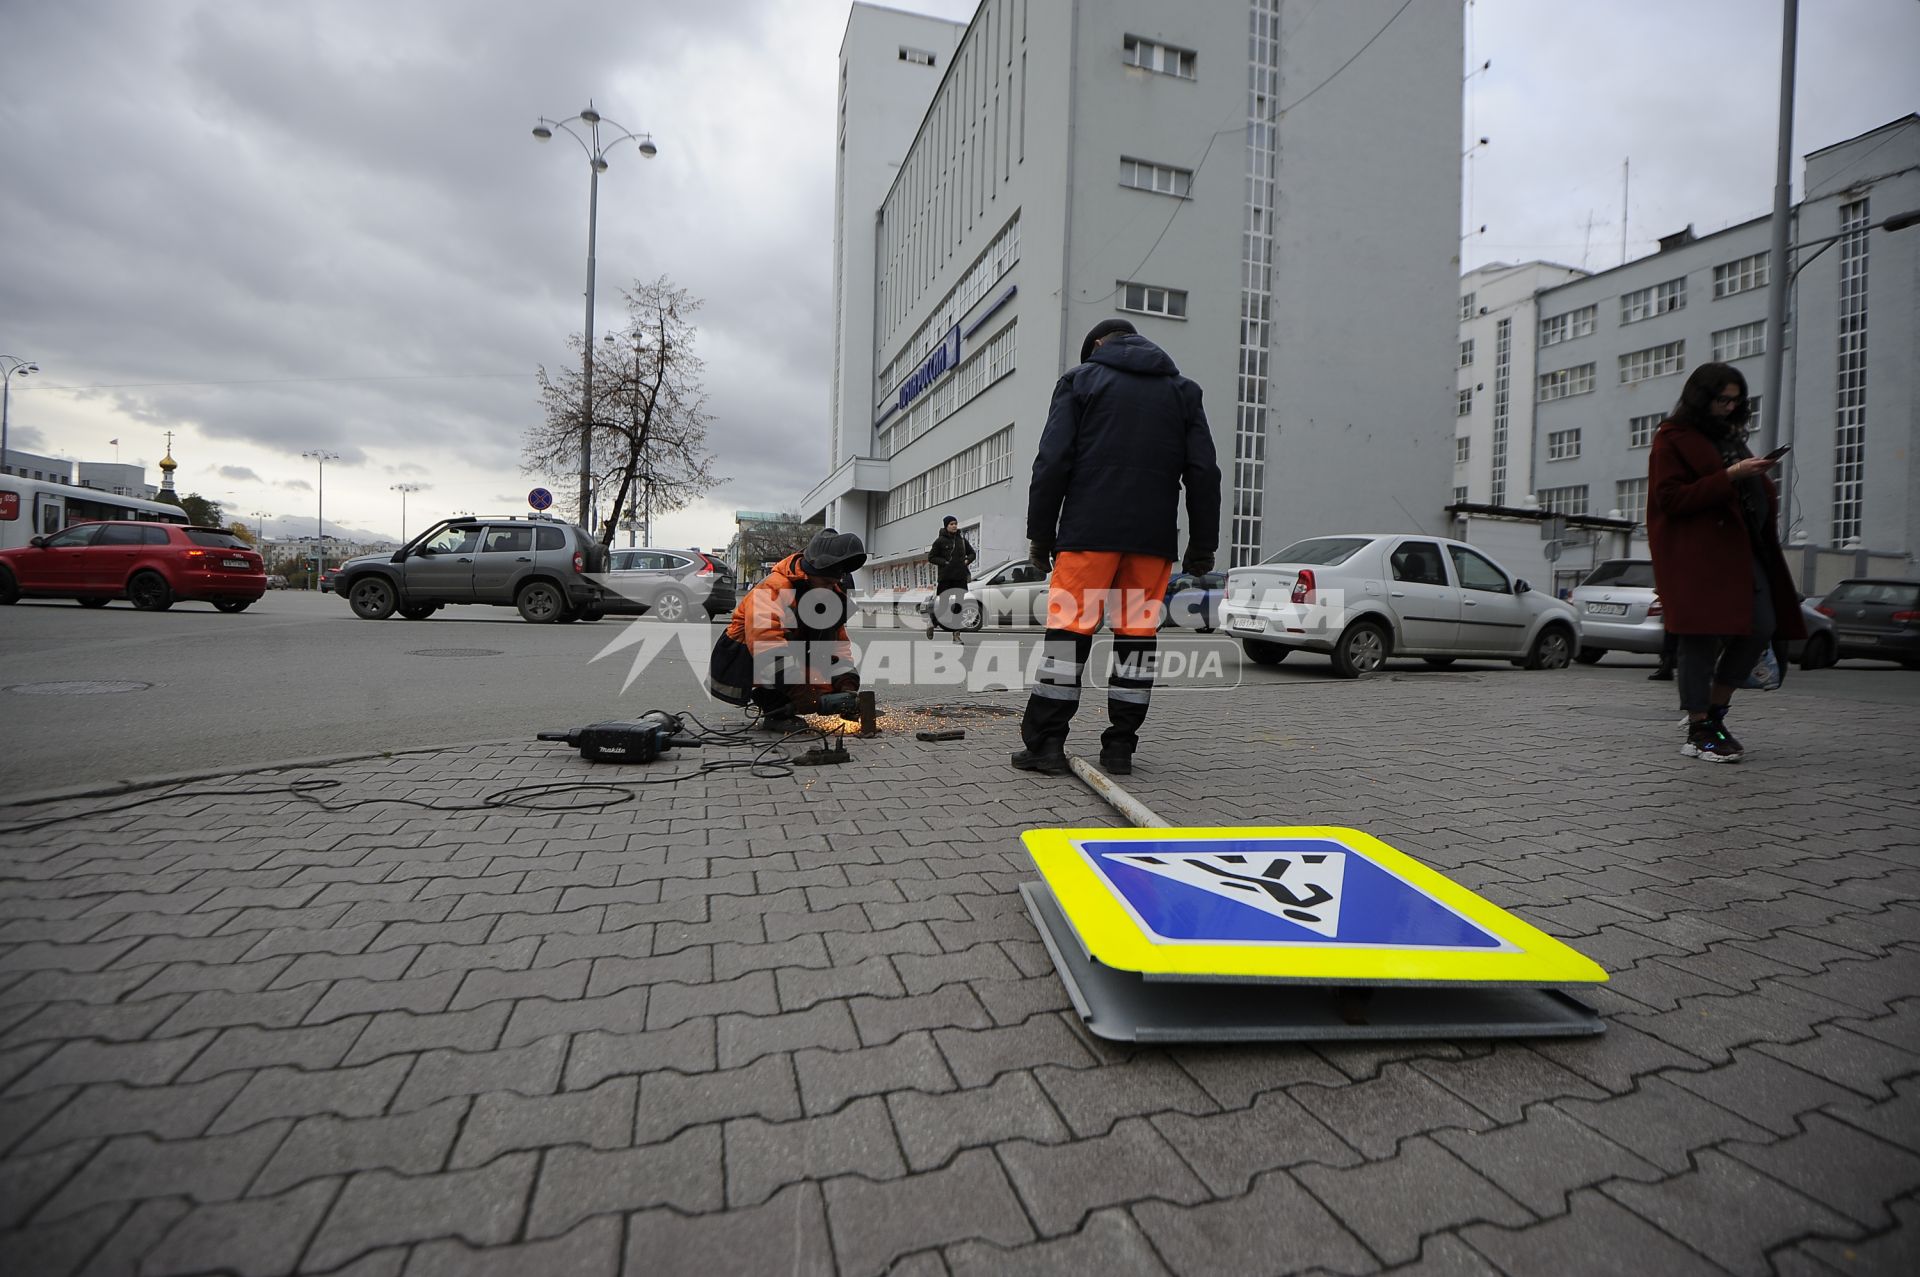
[{"x": 311, "y": 224}]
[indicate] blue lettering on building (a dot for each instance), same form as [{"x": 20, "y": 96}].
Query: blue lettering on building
[{"x": 944, "y": 358}]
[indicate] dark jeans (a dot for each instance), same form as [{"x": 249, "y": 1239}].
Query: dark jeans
[
  {"x": 946, "y": 605},
  {"x": 1706, "y": 660}
]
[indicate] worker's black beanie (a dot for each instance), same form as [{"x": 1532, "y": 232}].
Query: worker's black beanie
[{"x": 1105, "y": 328}]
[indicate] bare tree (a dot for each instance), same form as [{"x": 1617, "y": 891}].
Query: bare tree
[
  {"x": 764, "y": 542},
  {"x": 649, "y": 412}
]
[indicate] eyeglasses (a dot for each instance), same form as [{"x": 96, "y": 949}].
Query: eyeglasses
[{"x": 1728, "y": 400}]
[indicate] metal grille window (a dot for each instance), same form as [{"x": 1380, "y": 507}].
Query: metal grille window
[
  {"x": 1151, "y": 56},
  {"x": 1640, "y": 429},
  {"x": 1462, "y": 449},
  {"x": 1654, "y": 361},
  {"x": 1465, "y": 404},
  {"x": 1247, "y": 527},
  {"x": 1466, "y": 353},
  {"x": 1740, "y": 276},
  {"x": 1850, "y": 391},
  {"x": 1563, "y": 445},
  {"x": 1566, "y": 382},
  {"x": 1567, "y": 500},
  {"x": 1142, "y": 175},
  {"x": 1502, "y": 399},
  {"x": 1630, "y": 498},
  {"x": 1658, "y": 300},
  {"x": 1740, "y": 341},
  {"x": 1565, "y": 327},
  {"x": 1150, "y": 299},
  {"x": 1466, "y": 307}
]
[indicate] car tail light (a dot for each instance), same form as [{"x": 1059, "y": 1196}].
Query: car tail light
[
  {"x": 707, "y": 568},
  {"x": 1906, "y": 618},
  {"x": 196, "y": 554},
  {"x": 1656, "y": 608},
  {"x": 579, "y": 562},
  {"x": 1824, "y": 610},
  {"x": 1303, "y": 586}
]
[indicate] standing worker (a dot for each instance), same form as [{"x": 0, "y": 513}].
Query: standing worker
[
  {"x": 1711, "y": 514},
  {"x": 1124, "y": 434},
  {"x": 952, "y": 557}
]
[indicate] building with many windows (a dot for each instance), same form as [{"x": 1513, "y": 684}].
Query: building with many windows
[
  {"x": 1274, "y": 203},
  {"x": 1613, "y": 349},
  {"x": 1493, "y": 413}
]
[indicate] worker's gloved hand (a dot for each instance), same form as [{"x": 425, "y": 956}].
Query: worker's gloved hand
[
  {"x": 1196, "y": 564},
  {"x": 1040, "y": 553},
  {"x": 848, "y": 682}
]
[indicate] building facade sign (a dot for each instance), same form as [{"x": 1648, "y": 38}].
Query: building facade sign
[{"x": 944, "y": 359}]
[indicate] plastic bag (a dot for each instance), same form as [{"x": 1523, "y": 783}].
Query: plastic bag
[{"x": 1766, "y": 673}]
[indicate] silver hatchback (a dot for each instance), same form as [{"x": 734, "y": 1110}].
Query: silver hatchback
[{"x": 1620, "y": 612}]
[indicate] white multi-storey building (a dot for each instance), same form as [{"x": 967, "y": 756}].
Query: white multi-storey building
[
  {"x": 1612, "y": 350},
  {"x": 1493, "y": 407},
  {"x": 1273, "y": 202}
]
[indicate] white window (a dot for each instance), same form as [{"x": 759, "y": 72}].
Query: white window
[
  {"x": 1654, "y": 361},
  {"x": 1466, "y": 307},
  {"x": 1146, "y": 299},
  {"x": 919, "y": 57},
  {"x": 1658, "y": 300},
  {"x": 1462, "y": 449},
  {"x": 1740, "y": 276},
  {"x": 1563, "y": 445},
  {"x": 1569, "y": 500},
  {"x": 1740, "y": 341},
  {"x": 1466, "y": 353},
  {"x": 1567, "y": 381},
  {"x": 1460, "y": 495},
  {"x": 1150, "y": 56},
  {"x": 1565, "y": 327},
  {"x": 1465, "y": 405},
  {"x": 1640, "y": 429},
  {"x": 1143, "y": 175},
  {"x": 1630, "y": 498}
]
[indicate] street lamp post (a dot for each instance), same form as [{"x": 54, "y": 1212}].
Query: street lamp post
[
  {"x": 15, "y": 364},
  {"x": 322, "y": 456},
  {"x": 596, "y": 150},
  {"x": 403, "y": 489},
  {"x": 260, "y": 518},
  {"x": 1776, "y": 405}
]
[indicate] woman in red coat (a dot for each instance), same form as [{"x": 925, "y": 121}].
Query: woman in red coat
[{"x": 1711, "y": 513}]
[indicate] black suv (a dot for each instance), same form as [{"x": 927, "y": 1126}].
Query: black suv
[{"x": 541, "y": 566}]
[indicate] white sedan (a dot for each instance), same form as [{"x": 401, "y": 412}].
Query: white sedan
[{"x": 1360, "y": 599}]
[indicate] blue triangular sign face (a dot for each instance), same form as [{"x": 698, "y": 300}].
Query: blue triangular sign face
[{"x": 1300, "y": 891}]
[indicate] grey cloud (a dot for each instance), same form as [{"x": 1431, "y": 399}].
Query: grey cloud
[{"x": 238, "y": 474}]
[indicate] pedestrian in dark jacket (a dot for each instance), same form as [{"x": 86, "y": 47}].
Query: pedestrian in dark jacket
[
  {"x": 952, "y": 557},
  {"x": 1711, "y": 514},
  {"x": 1124, "y": 435}
]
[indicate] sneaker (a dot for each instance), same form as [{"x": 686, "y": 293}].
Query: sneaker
[
  {"x": 1116, "y": 764},
  {"x": 1708, "y": 741},
  {"x": 1048, "y": 762}
]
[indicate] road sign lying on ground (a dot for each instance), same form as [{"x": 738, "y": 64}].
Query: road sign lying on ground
[{"x": 1339, "y": 926}]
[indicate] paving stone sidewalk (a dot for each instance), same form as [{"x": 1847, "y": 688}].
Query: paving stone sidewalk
[{"x": 803, "y": 1024}]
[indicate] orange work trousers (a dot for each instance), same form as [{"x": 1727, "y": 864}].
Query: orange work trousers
[{"x": 1133, "y": 587}]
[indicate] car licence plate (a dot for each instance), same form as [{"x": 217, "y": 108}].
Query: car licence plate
[
  {"x": 1607, "y": 609},
  {"x": 1249, "y": 624},
  {"x": 233, "y": 563}
]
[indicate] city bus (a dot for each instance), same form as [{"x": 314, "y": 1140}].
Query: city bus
[{"x": 35, "y": 507}]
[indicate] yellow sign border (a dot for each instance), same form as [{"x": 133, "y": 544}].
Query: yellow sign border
[{"x": 1111, "y": 935}]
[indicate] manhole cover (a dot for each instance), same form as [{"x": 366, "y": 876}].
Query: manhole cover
[
  {"x": 455, "y": 651},
  {"x": 80, "y": 687}
]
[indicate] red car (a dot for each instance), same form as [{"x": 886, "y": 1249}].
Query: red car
[{"x": 154, "y": 565}]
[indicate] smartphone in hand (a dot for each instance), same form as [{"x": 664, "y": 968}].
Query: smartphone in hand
[{"x": 1780, "y": 452}]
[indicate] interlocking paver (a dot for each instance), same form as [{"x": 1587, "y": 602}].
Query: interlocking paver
[
  {"x": 599, "y": 1118},
  {"x": 259, "y": 1235},
  {"x": 1392, "y": 1203},
  {"x": 1849, "y": 1170},
  {"x": 829, "y": 1078},
  {"x": 933, "y": 1127},
  {"x": 763, "y": 1157},
  {"x": 317, "y": 1047},
  {"x": 596, "y": 1056},
  {"x": 875, "y": 1224},
  {"x": 403, "y": 1032},
  {"x": 1110, "y": 1244},
  {"x": 411, "y": 1144},
  {"x": 1092, "y": 1100},
  {"x": 1538, "y": 1162},
  {"x": 1727, "y": 1212},
  {"x": 591, "y": 1250},
  {"x": 379, "y": 1208},
  {"x": 1062, "y": 1184},
  {"x": 138, "y": 1063},
  {"x": 1228, "y": 1149},
  {"x": 1274, "y": 1227},
  {"x": 168, "y": 1112},
  {"x": 788, "y": 1234},
  {"x": 577, "y": 1183},
  {"x": 671, "y": 1102},
  {"x": 825, "y": 1026},
  {"x": 530, "y": 1070},
  {"x": 1596, "y": 1237},
  {"x": 132, "y": 1167}
]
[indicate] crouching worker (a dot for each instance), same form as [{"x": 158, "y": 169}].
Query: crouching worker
[{"x": 787, "y": 642}]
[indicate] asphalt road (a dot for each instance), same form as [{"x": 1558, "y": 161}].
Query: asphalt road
[{"x": 297, "y": 676}]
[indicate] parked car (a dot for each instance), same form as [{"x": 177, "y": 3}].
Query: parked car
[
  {"x": 152, "y": 565},
  {"x": 1876, "y": 618},
  {"x": 1009, "y": 593},
  {"x": 1193, "y": 602},
  {"x": 1362, "y": 598},
  {"x": 1619, "y": 612},
  {"x": 545, "y": 568},
  {"x": 276, "y": 581},
  {"x": 668, "y": 585},
  {"x": 328, "y": 578}
]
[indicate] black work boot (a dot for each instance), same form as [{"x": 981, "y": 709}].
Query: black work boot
[
  {"x": 1049, "y": 759},
  {"x": 1116, "y": 762}
]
